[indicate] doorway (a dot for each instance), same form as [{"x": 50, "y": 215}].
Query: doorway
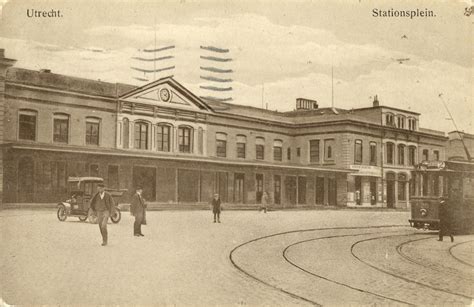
[
  {"x": 146, "y": 178},
  {"x": 390, "y": 190}
]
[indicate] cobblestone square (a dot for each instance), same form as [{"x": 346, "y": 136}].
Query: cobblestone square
[{"x": 280, "y": 258}]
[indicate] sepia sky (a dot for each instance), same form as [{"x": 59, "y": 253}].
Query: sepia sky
[{"x": 287, "y": 47}]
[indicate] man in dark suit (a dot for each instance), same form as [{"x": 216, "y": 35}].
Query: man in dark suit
[
  {"x": 444, "y": 220},
  {"x": 137, "y": 209},
  {"x": 103, "y": 205}
]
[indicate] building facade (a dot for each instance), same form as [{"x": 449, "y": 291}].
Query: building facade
[{"x": 182, "y": 149}]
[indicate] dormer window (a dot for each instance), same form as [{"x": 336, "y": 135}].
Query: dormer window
[
  {"x": 412, "y": 124},
  {"x": 389, "y": 120},
  {"x": 401, "y": 122}
]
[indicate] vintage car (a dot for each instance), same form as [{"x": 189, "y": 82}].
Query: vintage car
[{"x": 82, "y": 189}]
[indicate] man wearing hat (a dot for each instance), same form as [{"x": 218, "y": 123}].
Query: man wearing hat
[
  {"x": 103, "y": 205},
  {"x": 137, "y": 209},
  {"x": 216, "y": 207},
  {"x": 444, "y": 220}
]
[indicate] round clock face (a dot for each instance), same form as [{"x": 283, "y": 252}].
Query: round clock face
[{"x": 165, "y": 95}]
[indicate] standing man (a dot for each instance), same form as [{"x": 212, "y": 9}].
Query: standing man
[
  {"x": 444, "y": 220},
  {"x": 264, "y": 205},
  {"x": 103, "y": 205},
  {"x": 216, "y": 208},
  {"x": 137, "y": 208}
]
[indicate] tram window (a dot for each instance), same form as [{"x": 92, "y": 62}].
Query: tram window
[
  {"x": 468, "y": 188},
  {"x": 425, "y": 185},
  {"x": 436, "y": 185}
]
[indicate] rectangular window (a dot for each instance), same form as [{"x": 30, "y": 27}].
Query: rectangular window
[
  {"x": 436, "y": 155},
  {"x": 329, "y": 150},
  {"x": 141, "y": 135},
  {"x": 277, "y": 153},
  {"x": 163, "y": 138},
  {"x": 241, "y": 150},
  {"x": 277, "y": 189},
  {"x": 389, "y": 148},
  {"x": 27, "y": 127},
  {"x": 411, "y": 155},
  {"x": 288, "y": 153},
  {"x": 358, "y": 151},
  {"x": 92, "y": 133},
  {"x": 221, "y": 148},
  {"x": 314, "y": 151},
  {"x": 61, "y": 127},
  {"x": 298, "y": 152},
  {"x": 184, "y": 139},
  {"x": 373, "y": 153},
  {"x": 260, "y": 152},
  {"x": 401, "y": 155},
  {"x": 425, "y": 155}
]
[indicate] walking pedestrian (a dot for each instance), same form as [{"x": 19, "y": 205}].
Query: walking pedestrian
[
  {"x": 103, "y": 205},
  {"x": 264, "y": 204},
  {"x": 216, "y": 207},
  {"x": 138, "y": 209},
  {"x": 444, "y": 220}
]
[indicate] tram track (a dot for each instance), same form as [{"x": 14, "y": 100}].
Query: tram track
[
  {"x": 296, "y": 296},
  {"x": 399, "y": 249},
  {"x": 456, "y": 258},
  {"x": 285, "y": 256},
  {"x": 399, "y": 276}
]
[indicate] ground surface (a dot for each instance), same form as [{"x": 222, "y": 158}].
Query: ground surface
[{"x": 279, "y": 258}]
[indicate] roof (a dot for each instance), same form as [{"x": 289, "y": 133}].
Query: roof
[
  {"x": 75, "y": 179},
  {"x": 68, "y": 83},
  {"x": 387, "y": 107}
]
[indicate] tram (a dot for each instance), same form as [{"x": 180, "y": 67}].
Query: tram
[{"x": 452, "y": 180}]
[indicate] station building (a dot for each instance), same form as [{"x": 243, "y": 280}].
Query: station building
[{"x": 182, "y": 149}]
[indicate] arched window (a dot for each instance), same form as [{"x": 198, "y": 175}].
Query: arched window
[
  {"x": 358, "y": 151},
  {"x": 185, "y": 139},
  {"x": 373, "y": 153},
  {"x": 329, "y": 149},
  {"x": 241, "y": 146},
  {"x": 221, "y": 144},
  {"x": 401, "y": 122},
  {"x": 389, "y": 148},
  {"x": 425, "y": 155},
  {"x": 141, "y": 135},
  {"x": 389, "y": 120},
  {"x": 126, "y": 133},
  {"x": 259, "y": 148},
  {"x": 402, "y": 183},
  {"x": 92, "y": 130},
  {"x": 277, "y": 150},
  {"x": 60, "y": 128},
  {"x": 411, "y": 155},
  {"x": 412, "y": 124},
  {"x": 163, "y": 137},
  {"x": 27, "y": 124},
  {"x": 401, "y": 154}
]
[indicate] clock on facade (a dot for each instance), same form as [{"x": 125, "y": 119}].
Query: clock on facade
[{"x": 165, "y": 95}]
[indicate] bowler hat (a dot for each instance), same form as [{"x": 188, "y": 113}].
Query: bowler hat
[{"x": 101, "y": 185}]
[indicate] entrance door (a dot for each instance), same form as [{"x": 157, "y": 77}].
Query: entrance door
[
  {"x": 332, "y": 196},
  {"x": 239, "y": 187},
  {"x": 319, "y": 190},
  {"x": 25, "y": 180},
  {"x": 146, "y": 178},
  {"x": 358, "y": 190},
  {"x": 390, "y": 190},
  {"x": 373, "y": 192},
  {"x": 259, "y": 187},
  {"x": 290, "y": 190}
]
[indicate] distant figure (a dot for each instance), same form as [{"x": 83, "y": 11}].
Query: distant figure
[
  {"x": 102, "y": 204},
  {"x": 264, "y": 204},
  {"x": 444, "y": 220},
  {"x": 216, "y": 207},
  {"x": 138, "y": 209}
]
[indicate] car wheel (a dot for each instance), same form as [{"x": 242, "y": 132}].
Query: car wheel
[
  {"x": 116, "y": 217},
  {"x": 62, "y": 216},
  {"x": 83, "y": 218}
]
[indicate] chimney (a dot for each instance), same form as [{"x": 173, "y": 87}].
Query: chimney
[
  {"x": 45, "y": 70},
  {"x": 376, "y": 102},
  {"x": 306, "y": 104}
]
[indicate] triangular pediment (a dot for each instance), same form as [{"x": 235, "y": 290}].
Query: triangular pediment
[{"x": 166, "y": 92}]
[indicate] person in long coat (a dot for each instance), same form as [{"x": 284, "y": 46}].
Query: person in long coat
[
  {"x": 264, "y": 204},
  {"x": 444, "y": 220},
  {"x": 216, "y": 207},
  {"x": 138, "y": 209},
  {"x": 103, "y": 205}
]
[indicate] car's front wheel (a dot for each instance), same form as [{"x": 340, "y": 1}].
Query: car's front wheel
[{"x": 62, "y": 216}]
